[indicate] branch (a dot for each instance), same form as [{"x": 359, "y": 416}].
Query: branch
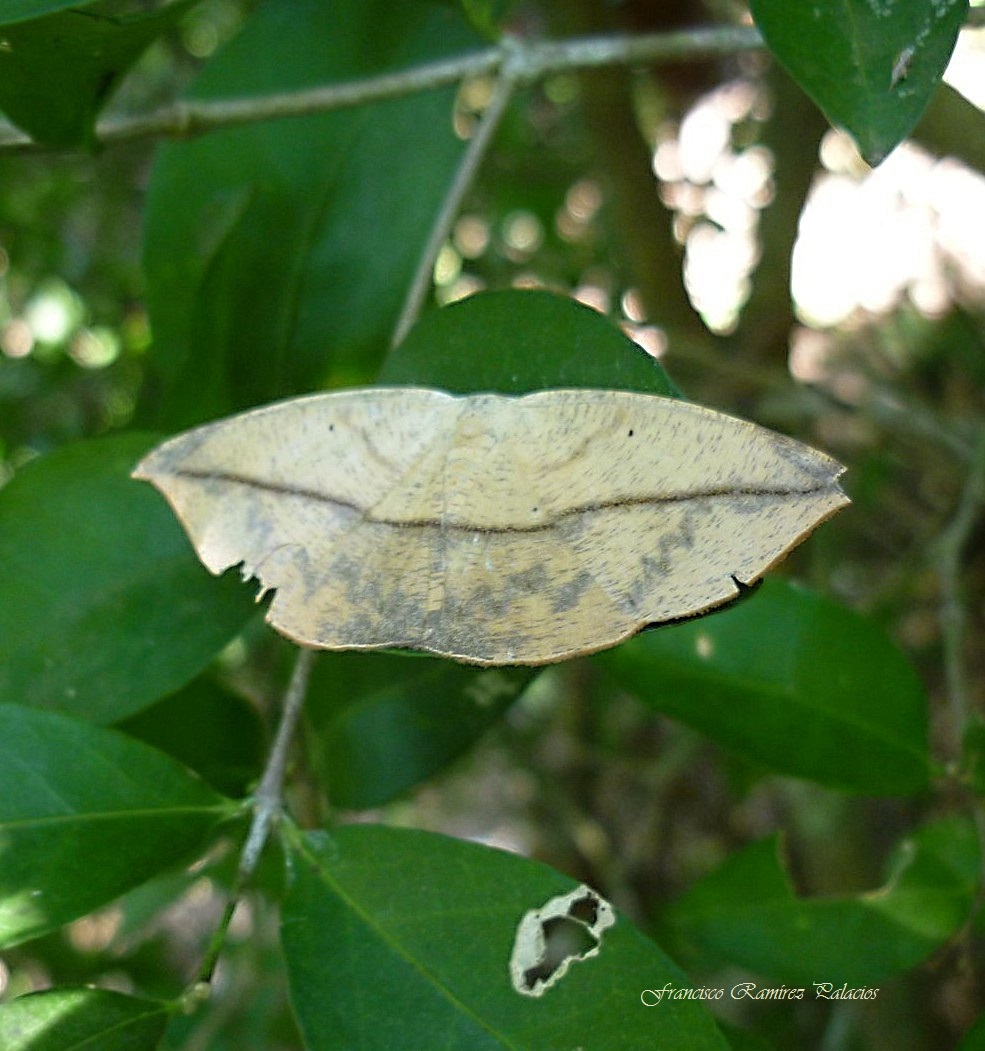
[
  {"x": 464, "y": 176},
  {"x": 530, "y": 61},
  {"x": 267, "y": 803},
  {"x": 953, "y": 615},
  {"x": 519, "y": 63}
]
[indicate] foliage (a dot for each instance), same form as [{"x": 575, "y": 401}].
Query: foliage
[{"x": 758, "y": 792}]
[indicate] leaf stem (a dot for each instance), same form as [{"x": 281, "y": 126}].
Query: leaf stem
[
  {"x": 953, "y": 616},
  {"x": 468, "y": 168},
  {"x": 186, "y": 118},
  {"x": 267, "y": 804}
]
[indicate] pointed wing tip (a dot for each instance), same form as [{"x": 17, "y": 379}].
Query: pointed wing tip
[
  {"x": 143, "y": 470},
  {"x": 843, "y": 498},
  {"x": 833, "y": 479},
  {"x": 153, "y": 465}
]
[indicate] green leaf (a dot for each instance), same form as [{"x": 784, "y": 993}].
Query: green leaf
[
  {"x": 86, "y": 814},
  {"x": 57, "y": 71},
  {"x": 870, "y": 65},
  {"x": 418, "y": 929},
  {"x": 792, "y": 681},
  {"x": 212, "y": 731},
  {"x": 974, "y": 1039},
  {"x": 104, "y": 608},
  {"x": 278, "y": 255},
  {"x": 74, "y": 1019},
  {"x": 21, "y": 10},
  {"x": 741, "y": 1040},
  {"x": 746, "y": 913},
  {"x": 518, "y": 341},
  {"x": 383, "y": 722}
]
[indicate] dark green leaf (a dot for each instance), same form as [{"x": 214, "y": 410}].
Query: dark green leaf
[
  {"x": 746, "y": 913},
  {"x": 103, "y": 607},
  {"x": 384, "y": 722},
  {"x": 870, "y": 65},
  {"x": 279, "y": 254},
  {"x": 741, "y": 1040},
  {"x": 519, "y": 341},
  {"x": 793, "y": 681},
  {"x": 21, "y": 10},
  {"x": 216, "y": 733},
  {"x": 86, "y": 814},
  {"x": 974, "y": 1039},
  {"x": 57, "y": 71},
  {"x": 77, "y": 1019},
  {"x": 417, "y": 930}
]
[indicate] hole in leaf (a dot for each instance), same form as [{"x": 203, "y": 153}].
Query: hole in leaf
[{"x": 567, "y": 929}]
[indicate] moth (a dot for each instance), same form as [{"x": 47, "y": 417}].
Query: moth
[{"x": 491, "y": 529}]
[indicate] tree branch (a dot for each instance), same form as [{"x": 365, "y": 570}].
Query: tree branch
[
  {"x": 464, "y": 176},
  {"x": 267, "y": 803},
  {"x": 531, "y": 61},
  {"x": 953, "y": 615}
]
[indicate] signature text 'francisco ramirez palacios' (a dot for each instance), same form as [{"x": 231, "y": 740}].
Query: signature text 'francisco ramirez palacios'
[{"x": 751, "y": 991}]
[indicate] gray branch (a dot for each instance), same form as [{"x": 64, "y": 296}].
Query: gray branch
[{"x": 529, "y": 61}]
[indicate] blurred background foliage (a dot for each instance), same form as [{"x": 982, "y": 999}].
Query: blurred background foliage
[{"x": 686, "y": 202}]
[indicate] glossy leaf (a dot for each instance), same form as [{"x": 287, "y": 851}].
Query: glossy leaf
[
  {"x": 103, "y": 606},
  {"x": 80, "y": 801},
  {"x": 57, "y": 71},
  {"x": 21, "y": 10},
  {"x": 381, "y": 723},
  {"x": 870, "y": 65},
  {"x": 209, "y": 729},
  {"x": 794, "y": 682},
  {"x": 417, "y": 930},
  {"x": 517, "y": 341},
  {"x": 278, "y": 254},
  {"x": 77, "y": 1019},
  {"x": 747, "y": 913}
]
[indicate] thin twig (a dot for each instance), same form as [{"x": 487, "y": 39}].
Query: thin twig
[
  {"x": 524, "y": 63},
  {"x": 907, "y": 420},
  {"x": 537, "y": 60},
  {"x": 464, "y": 176},
  {"x": 953, "y": 617},
  {"x": 267, "y": 803},
  {"x": 268, "y": 798}
]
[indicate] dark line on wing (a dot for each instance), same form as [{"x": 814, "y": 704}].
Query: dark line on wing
[{"x": 433, "y": 523}]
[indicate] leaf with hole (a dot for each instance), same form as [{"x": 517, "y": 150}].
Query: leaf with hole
[{"x": 419, "y": 930}]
